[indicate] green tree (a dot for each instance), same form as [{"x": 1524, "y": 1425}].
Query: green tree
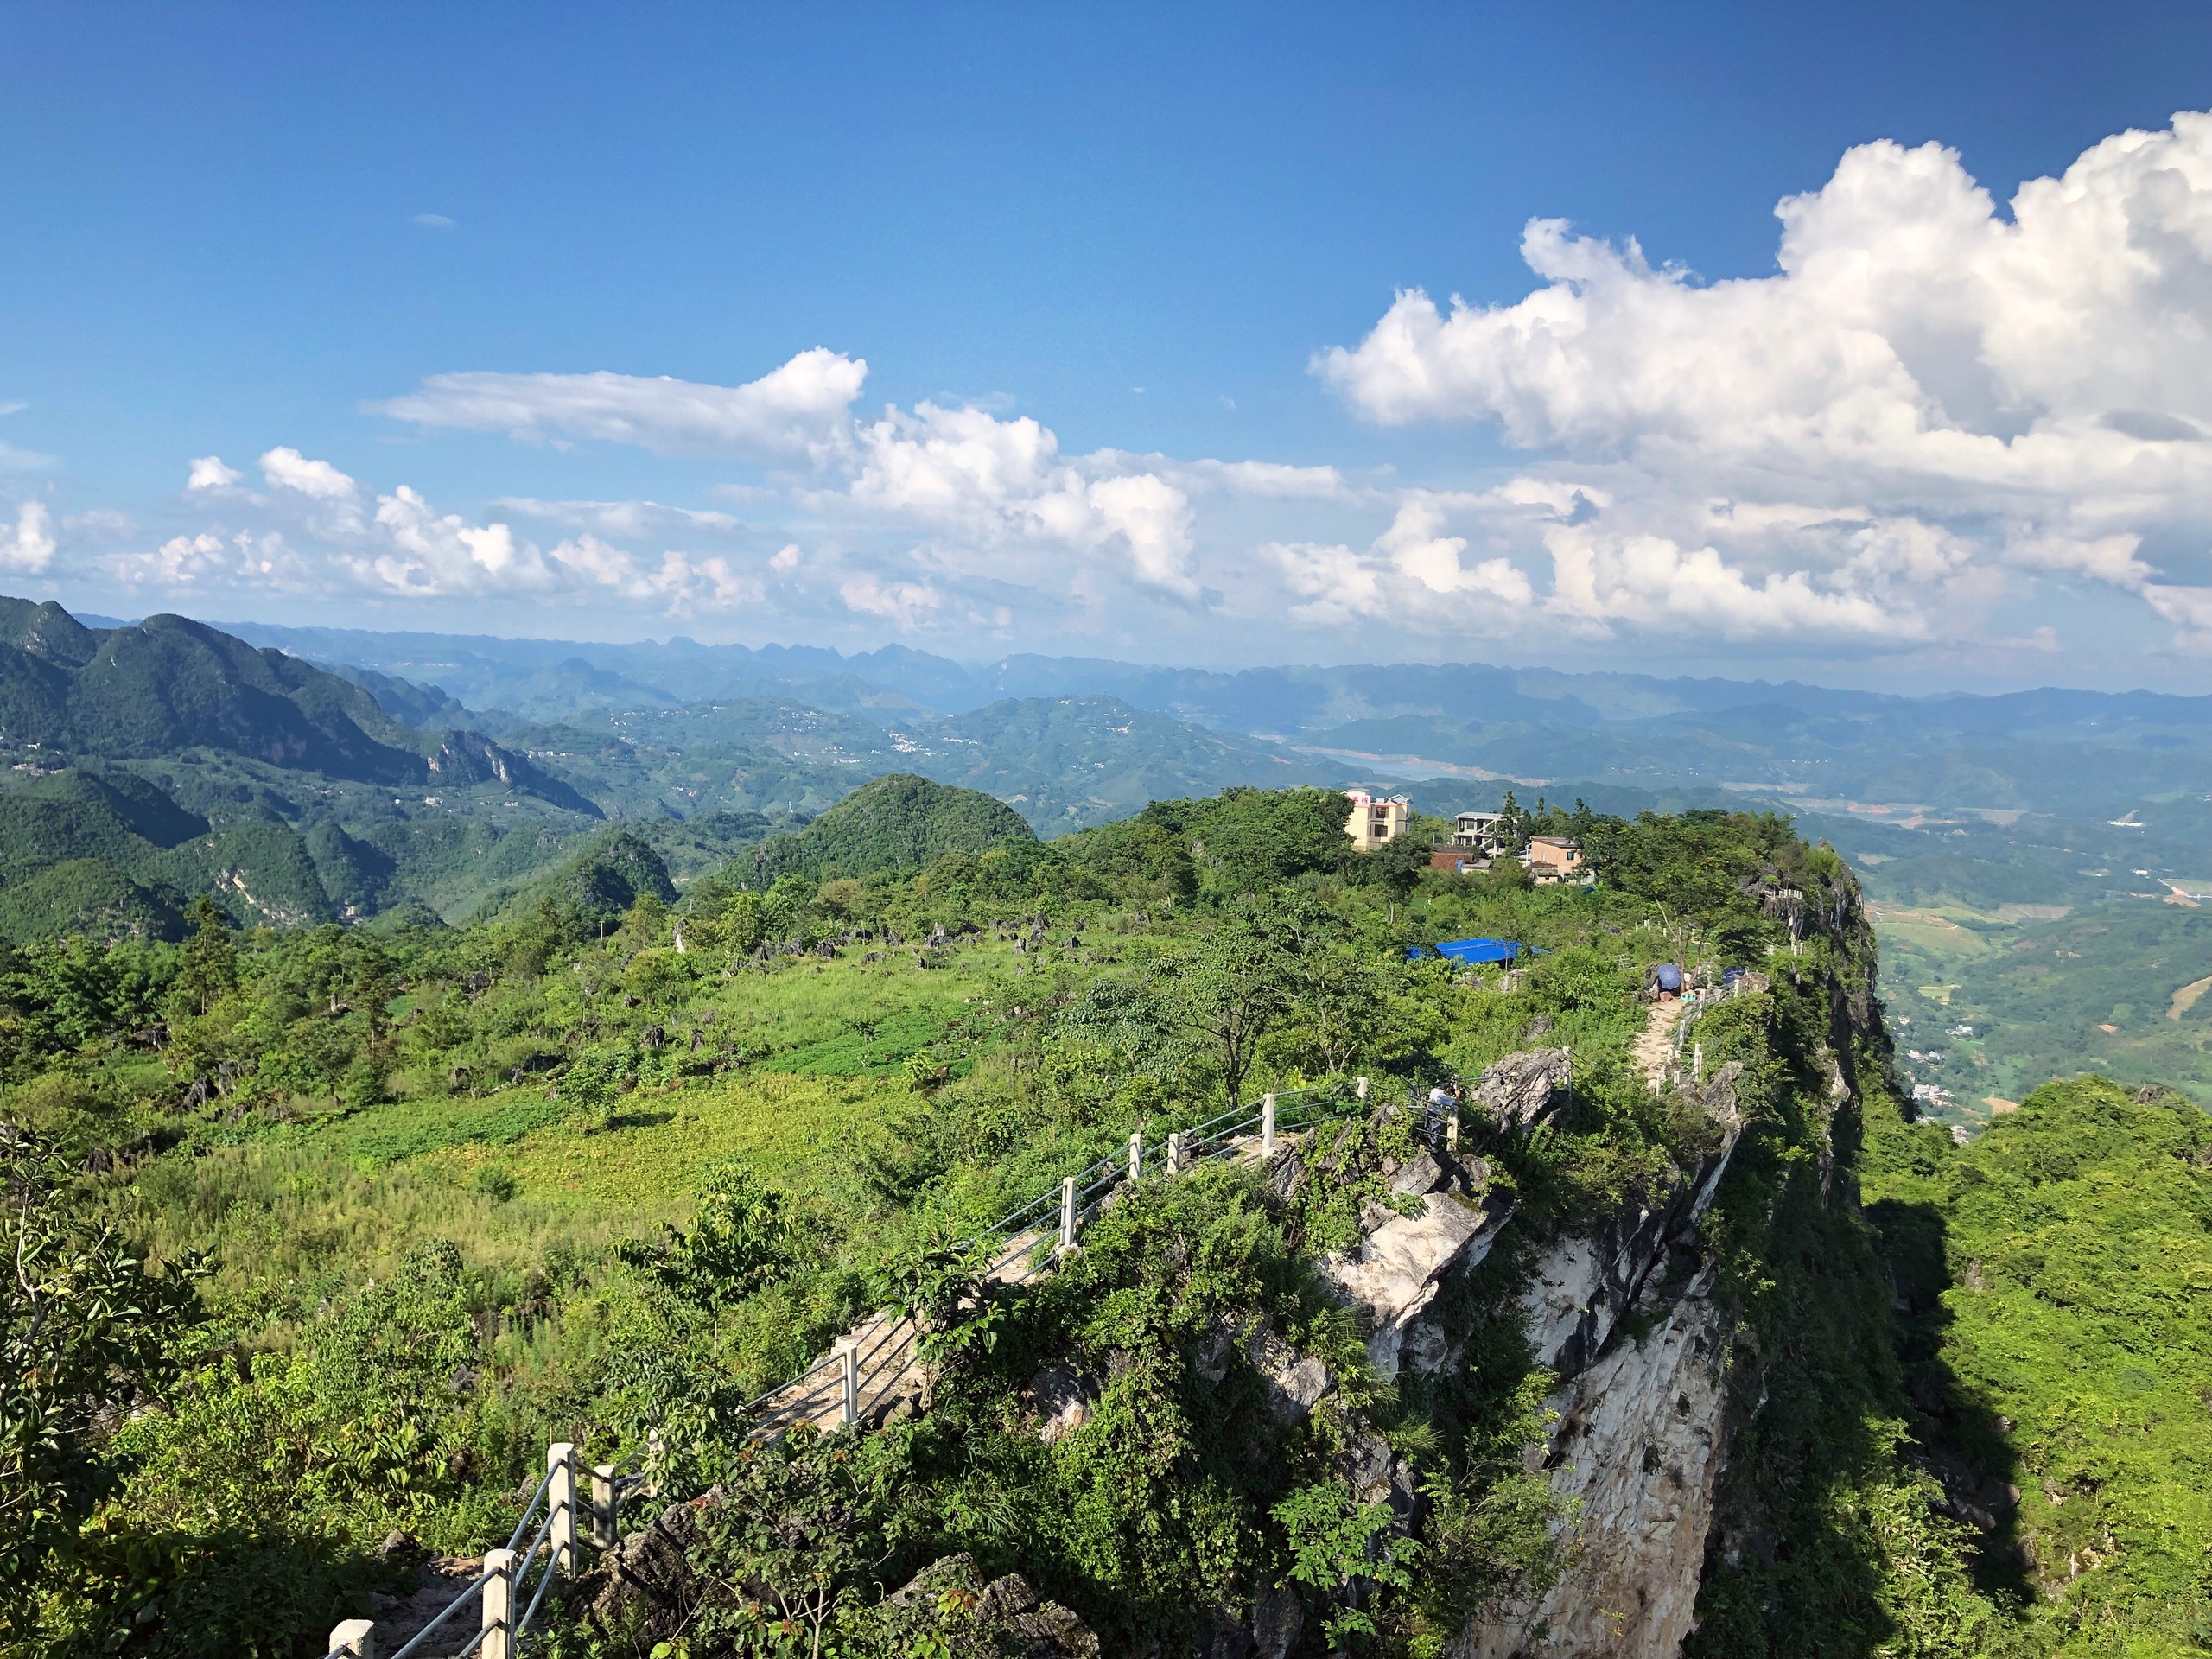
[
  {"x": 787, "y": 906},
  {"x": 87, "y": 1325},
  {"x": 1339, "y": 1006},
  {"x": 792, "y": 1548},
  {"x": 941, "y": 1285},
  {"x": 743, "y": 1235},
  {"x": 744, "y": 921},
  {"x": 594, "y": 1082},
  {"x": 1339, "y": 1548},
  {"x": 209, "y": 968},
  {"x": 1514, "y": 826},
  {"x": 1235, "y": 984}
]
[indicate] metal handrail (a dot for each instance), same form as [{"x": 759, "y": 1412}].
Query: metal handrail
[
  {"x": 535, "y": 1544},
  {"x": 1197, "y": 1145},
  {"x": 544, "y": 1583},
  {"x": 762, "y": 1399},
  {"x": 452, "y": 1607},
  {"x": 530, "y": 1508},
  {"x": 1011, "y": 1215},
  {"x": 889, "y": 1330},
  {"x": 866, "y": 1376},
  {"x": 1200, "y": 1128},
  {"x": 813, "y": 1397}
]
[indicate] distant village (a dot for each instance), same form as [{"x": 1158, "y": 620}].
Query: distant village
[{"x": 1479, "y": 839}]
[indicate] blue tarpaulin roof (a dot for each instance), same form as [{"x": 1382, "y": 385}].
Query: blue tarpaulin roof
[{"x": 1475, "y": 950}]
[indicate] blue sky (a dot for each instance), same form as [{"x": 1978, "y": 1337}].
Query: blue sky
[{"x": 247, "y": 234}]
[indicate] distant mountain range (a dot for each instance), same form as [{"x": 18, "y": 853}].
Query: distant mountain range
[
  {"x": 149, "y": 762},
  {"x": 2036, "y": 750}
]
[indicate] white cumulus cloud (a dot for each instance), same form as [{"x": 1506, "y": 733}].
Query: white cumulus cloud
[
  {"x": 27, "y": 547},
  {"x": 789, "y": 412},
  {"x": 288, "y": 469},
  {"x": 1413, "y": 574},
  {"x": 208, "y": 472},
  {"x": 2031, "y": 390},
  {"x": 993, "y": 482}
]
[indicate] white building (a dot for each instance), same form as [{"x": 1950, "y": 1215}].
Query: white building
[{"x": 1478, "y": 830}]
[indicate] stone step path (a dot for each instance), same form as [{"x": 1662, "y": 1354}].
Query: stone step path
[
  {"x": 886, "y": 1369},
  {"x": 887, "y": 1346},
  {"x": 1654, "y": 1044}
]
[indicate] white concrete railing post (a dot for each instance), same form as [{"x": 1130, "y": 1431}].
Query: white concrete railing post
[
  {"x": 356, "y": 1638},
  {"x": 1360, "y": 1083},
  {"x": 498, "y": 1641},
  {"x": 602, "y": 1506},
  {"x": 1267, "y": 1126},
  {"x": 1067, "y": 1213},
  {"x": 1136, "y": 1155},
  {"x": 654, "y": 1456},
  {"x": 850, "y": 1411},
  {"x": 1175, "y": 1152},
  {"x": 561, "y": 1508},
  {"x": 1451, "y": 1129}
]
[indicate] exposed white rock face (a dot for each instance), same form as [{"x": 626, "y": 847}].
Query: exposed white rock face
[
  {"x": 1394, "y": 1270},
  {"x": 1581, "y": 1286},
  {"x": 1639, "y": 1445},
  {"x": 1642, "y": 1429},
  {"x": 1522, "y": 1089}
]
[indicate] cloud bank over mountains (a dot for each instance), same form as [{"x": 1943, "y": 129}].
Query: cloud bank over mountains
[{"x": 1935, "y": 422}]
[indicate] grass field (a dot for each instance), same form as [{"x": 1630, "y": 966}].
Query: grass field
[{"x": 297, "y": 1211}]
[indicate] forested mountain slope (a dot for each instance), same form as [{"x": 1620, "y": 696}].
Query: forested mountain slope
[{"x": 151, "y": 764}]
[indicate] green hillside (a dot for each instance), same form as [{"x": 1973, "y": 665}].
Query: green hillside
[
  {"x": 2057, "y": 1282},
  {"x": 899, "y": 821},
  {"x": 601, "y": 879},
  {"x": 108, "y": 852},
  {"x": 154, "y": 763},
  {"x": 445, "y": 1192}
]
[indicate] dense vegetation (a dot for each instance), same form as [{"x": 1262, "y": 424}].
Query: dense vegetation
[
  {"x": 152, "y": 764},
  {"x": 410, "y": 1200},
  {"x": 2058, "y": 1352},
  {"x": 2024, "y": 851},
  {"x": 162, "y": 762}
]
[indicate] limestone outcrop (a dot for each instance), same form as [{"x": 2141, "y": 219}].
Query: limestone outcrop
[
  {"x": 1394, "y": 1271},
  {"x": 1523, "y": 1089},
  {"x": 1638, "y": 1448},
  {"x": 1642, "y": 1428}
]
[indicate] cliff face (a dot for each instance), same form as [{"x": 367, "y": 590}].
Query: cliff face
[
  {"x": 1640, "y": 1430},
  {"x": 1639, "y": 1446},
  {"x": 1648, "y": 1412}
]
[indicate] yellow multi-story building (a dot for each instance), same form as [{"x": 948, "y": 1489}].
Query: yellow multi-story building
[{"x": 1376, "y": 818}]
